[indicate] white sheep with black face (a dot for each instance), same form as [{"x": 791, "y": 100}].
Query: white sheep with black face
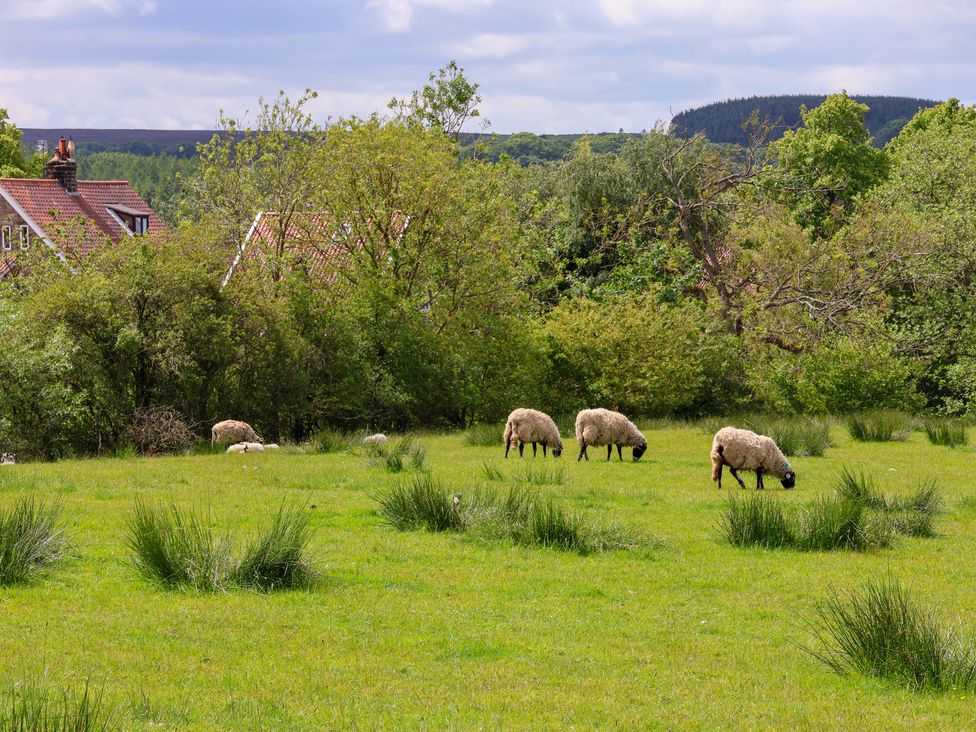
[
  {"x": 605, "y": 427},
  {"x": 532, "y": 426},
  {"x": 745, "y": 450}
]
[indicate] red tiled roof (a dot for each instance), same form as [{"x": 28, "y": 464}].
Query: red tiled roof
[
  {"x": 309, "y": 240},
  {"x": 53, "y": 209}
]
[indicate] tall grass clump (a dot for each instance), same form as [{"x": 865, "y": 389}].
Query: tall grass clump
[
  {"x": 33, "y": 706},
  {"x": 173, "y": 547},
  {"x": 799, "y": 437},
  {"x": 484, "y": 435},
  {"x": 31, "y": 539},
  {"x": 756, "y": 520},
  {"x": 398, "y": 455},
  {"x": 881, "y": 426},
  {"x": 539, "y": 474},
  {"x": 879, "y": 631},
  {"x": 279, "y": 559},
  {"x": 423, "y": 503},
  {"x": 491, "y": 471},
  {"x": 948, "y": 432},
  {"x": 911, "y": 515},
  {"x": 329, "y": 441}
]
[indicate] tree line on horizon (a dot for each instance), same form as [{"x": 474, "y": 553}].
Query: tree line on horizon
[{"x": 815, "y": 273}]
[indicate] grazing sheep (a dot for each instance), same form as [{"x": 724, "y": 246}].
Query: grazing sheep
[
  {"x": 604, "y": 427},
  {"x": 378, "y": 439},
  {"x": 531, "y": 425},
  {"x": 8, "y": 458},
  {"x": 232, "y": 430},
  {"x": 246, "y": 447},
  {"x": 745, "y": 450}
]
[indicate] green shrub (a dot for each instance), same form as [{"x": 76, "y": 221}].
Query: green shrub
[
  {"x": 31, "y": 539},
  {"x": 882, "y": 426},
  {"x": 329, "y": 441},
  {"x": 279, "y": 559},
  {"x": 880, "y": 632},
  {"x": 421, "y": 503},
  {"x": 484, "y": 435},
  {"x": 948, "y": 432},
  {"x": 33, "y": 706}
]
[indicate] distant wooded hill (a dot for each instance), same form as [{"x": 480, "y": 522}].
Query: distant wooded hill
[{"x": 722, "y": 121}]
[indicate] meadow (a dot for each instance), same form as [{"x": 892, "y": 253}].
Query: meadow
[{"x": 457, "y": 630}]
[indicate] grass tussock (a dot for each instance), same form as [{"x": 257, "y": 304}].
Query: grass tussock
[
  {"x": 491, "y": 471},
  {"x": 33, "y": 706},
  {"x": 800, "y": 436},
  {"x": 330, "y": 441},
  {"x": 484, "y": 435},
  {"x": 398, "y": 455},
  {"x": 177, "y": 548},
  {"x": 539, "y": 474},
  {"x": 880, "y": 426},
  {"x": 520, "y": 515},
  {"x": 31, "y": 539},
  {"x": 947, "y": 432},
  {"x": 879, "y": 631},
  {"x": 828, "y": 524},
  {"x": 911, "y": 515}
]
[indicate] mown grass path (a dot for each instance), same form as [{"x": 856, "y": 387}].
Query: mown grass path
[{"x": 437, "y": 630}]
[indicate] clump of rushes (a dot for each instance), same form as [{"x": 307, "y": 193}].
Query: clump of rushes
[
  {"x": 398, "y": 455},
  {"x": 826, "y": 525},
  {"x": 483, "y": 435},
  {"x": 330, "y": 441},
  {"x": 948, "y": 432},
  {"x": 911, "y": 515},
  {"x": 539, "y": 474},
  {"x": 879, "y": 631},
  {"x": 796, "y": 437},
  {"x": 491, "y": 471},
  {"x": 522, "y": 516},
  {"x": 31, "y": 539},
  {"x": 33, "y": 706},
  {"x": 279, "y": 559},
  {"x": 179, "y": 548},
  {"x": 883, "y": 426}
]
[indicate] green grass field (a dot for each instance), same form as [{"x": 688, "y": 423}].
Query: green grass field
[{"x": 422, "y": 630}]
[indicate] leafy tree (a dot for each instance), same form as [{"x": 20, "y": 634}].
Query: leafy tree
[
  {"x": 446, "y": 102},
  {"x": 13, "y": 164},
  {"x": 823, "y": 167}
]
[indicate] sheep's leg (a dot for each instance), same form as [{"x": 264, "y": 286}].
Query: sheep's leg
[
  {"x": 759, "y": 485},
  {"x": 508, "y": 446},
  {"x": 620, "y": 453},
  {"x": 534, "y": 450},
  {"x": 521, "y": 449},
  {"x": 582, "y": 451},
  {"x": 543, "y": 449},
  {"x": 721, "y": 467},
  {"x": 736, "y": 476},
  {"x": 609, "y": 452}
]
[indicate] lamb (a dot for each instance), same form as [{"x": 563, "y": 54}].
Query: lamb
[
  {"x": 531, "y": 425},
  {"x": 604, "y": 427},
  {"x": 745, "y": 450},
  {"x": 246, "y": 447},
  {"x": 378, "y": 439},
  {"x": 232, "y": 430}
]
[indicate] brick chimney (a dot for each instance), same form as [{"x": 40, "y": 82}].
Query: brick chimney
[{"x": 62, "y": 167}]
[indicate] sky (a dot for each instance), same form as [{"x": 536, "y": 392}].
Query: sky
[{"x": 543, "y": 66}]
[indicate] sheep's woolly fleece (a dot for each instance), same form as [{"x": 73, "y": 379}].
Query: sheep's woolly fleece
[
  {"x": 745, "y": 450},
  {"x": 232, "y": 430},
  {"x": 531, "y": 425},
  {"x": 605, "y": 427}
]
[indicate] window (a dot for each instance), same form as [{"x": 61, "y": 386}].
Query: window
[
  {"x": 24, "y": 237},
  {"x": 141, "y": 224},
  {"x": 6, "y": 239}
]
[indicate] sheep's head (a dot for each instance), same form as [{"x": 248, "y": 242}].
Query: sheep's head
[
  {"x": 639, "y": 449},
  {"x": 789, "y": 480},
  {"x": 557, "y": 450}
]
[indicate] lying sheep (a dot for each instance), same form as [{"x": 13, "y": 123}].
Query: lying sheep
[
  {"x": 531, "y": 425},
  {"x": 745, "y": 450},
  {"x": 232, "y": 430},
  {"x": 604, "y": 427},
  {"x": 246, "y": 447},
  {"x": 272, "y": 446},
  {"x": 8, "y": 458},
  {"x": 378, "y": 439}
]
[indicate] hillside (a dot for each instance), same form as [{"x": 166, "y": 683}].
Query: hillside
[{"x": 722, "y": 121}]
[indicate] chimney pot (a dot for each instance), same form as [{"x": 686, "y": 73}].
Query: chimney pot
[{"x": 62, "y": 167}]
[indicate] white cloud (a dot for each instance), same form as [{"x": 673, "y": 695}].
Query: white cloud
[
  {"x": 397, "y": 15},
  {"x": 492, "y": 45},
  {"x": 54, "y": 9}
]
